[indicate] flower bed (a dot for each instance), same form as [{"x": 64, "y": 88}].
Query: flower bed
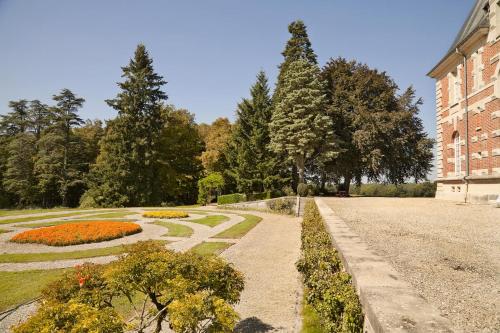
[
  {"x": 166, "y": 214},
  {"x": 78, "y": 233}
]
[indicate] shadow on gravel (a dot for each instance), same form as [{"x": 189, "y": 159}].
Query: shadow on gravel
[{"x": 252, "y": 325}]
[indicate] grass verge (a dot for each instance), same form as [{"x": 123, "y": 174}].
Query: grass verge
[
  {"x": 2, "y": 231},
  {"x": 39, "y": 218},
  {"x": 311, "y": 322},
  {"x": 112, "y": 215},
  {"x": 53, "y": 223},
  {"x": 211, "y": 220},
  {"x": 19, "y": 287},
  {"x": 50, "y": 256},
  {"x": 175, "y": 229},
  {"x": 241, "y": 229},
  {"x": 210, "y": 248}
]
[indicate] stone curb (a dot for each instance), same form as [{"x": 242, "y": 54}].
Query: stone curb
[{"x": 390, "y": 304}]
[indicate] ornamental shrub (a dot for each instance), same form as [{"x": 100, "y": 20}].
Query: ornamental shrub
[
  {"x": 426, "y": 189},
  {"x": 329, "y": 288},
  {"x": 282, "y": 205},
  {"x": 231, "y": 198}
]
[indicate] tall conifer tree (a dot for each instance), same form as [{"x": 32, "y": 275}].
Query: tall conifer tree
[{"x": 127, "y": 168}]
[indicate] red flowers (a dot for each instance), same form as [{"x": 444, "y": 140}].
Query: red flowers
[{"x": 77, "y": 233}]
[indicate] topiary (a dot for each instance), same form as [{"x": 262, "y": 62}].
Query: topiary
[{"x": 302, "y": 190}]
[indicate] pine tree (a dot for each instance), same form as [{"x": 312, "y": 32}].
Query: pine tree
[
  {"x": 39, "y": 117},
  {"x": 17, "y": 120},
  {"x": 253, "y": 164},
  {"x": 299, "y": 125},
  {"x": 128, "y": 162}
]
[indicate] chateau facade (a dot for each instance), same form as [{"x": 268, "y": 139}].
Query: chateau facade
[{"x": 468, "y": 109}]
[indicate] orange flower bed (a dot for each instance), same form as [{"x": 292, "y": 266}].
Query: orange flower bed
[{"x": 77, "y": 233}]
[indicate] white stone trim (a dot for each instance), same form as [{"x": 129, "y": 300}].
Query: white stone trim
[{"x": 495, "y": 152}]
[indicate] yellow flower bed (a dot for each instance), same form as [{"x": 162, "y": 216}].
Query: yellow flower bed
[{"x": 166, "y": 214}]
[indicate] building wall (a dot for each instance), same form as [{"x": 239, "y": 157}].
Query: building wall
[{"x": 484, "y": 121}]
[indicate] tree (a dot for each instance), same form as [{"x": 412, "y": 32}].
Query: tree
[
  {"x": 253, "y": 164},
  {"x": 209, "y": 187},
  {"x": 216, "y": 137},
  {"x": 39, "y": 117},
  {"x": 128, "y": 163},
  {"x": 17, "y": 120},
  {"x": 297, "y": 47},
  {"x": 299, "y": 125},
  {"x": 379, "y": 132},
  {"x": 57, "y": 167},
  {"x": 182, "y": 146}
]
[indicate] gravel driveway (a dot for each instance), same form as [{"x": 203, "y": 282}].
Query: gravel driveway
[{"x": 449, "y": 252}]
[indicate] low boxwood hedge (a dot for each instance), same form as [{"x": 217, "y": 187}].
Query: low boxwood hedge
[
  {"x": 231, "y": 198},
  {"x": 329, "y": 288}
]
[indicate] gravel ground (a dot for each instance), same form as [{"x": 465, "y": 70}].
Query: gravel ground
[
  {"x": 449, "y": 252},
  {"x": 266, "y": 255}
]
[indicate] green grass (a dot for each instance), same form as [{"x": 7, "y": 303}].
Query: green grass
[
  {"x": 39, "y": 218},
  {"x": 211, "y": 220},
  {"x": 110, "y": 215},
  {"x": 19, "y": 287},
  {"x": 2, "y": 231},
  {"x": 14, "y": 212},
  {"x": 210, "y": 248},
  {"x": 50, "y": 256},
  {"x": 311, "y": 322},
  {"x": 175, "y": 229},
  {"x": 53, "y": 223},
  {"x": 239, "y": 230}
]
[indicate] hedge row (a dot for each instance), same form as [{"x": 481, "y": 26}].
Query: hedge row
[
  {"x": 328, "y": 286},
  {"x": 426, "y": 189},
  {"x": 231, "y": 198}
]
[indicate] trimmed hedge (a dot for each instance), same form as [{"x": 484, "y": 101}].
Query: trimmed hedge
[
  {"x": 329, "y": 288},
  {"x": 231, "y": 198},
  {"x": 426, "y": 189}
]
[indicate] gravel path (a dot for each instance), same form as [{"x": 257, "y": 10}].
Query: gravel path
[
  {"x": 449, "y": 252},
  {"x": 267, "y": 255}
]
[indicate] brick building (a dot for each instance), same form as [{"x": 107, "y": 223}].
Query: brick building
[{"x": 468, "y": 109}]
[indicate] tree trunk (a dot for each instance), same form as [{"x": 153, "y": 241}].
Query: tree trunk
[
  {"x": 301, "y": 168},
  {"x": 347, "y": 183},
  {"x": 322, "y": 182}
]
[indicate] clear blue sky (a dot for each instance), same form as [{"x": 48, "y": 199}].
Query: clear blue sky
[{"x": 210, "y": 51}]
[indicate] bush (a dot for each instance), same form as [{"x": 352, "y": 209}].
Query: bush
[
  {"x": 209, "y": 186},
  {"x": 302, "y": 190},
  {"x": 259, "y": 196},
  {"x": 188, "y": 290},
  {"x": 426, "y": 189},
  {"x": 329, "y": 289},
  {"x": 282, "y": 205},
  {"x": 230, "y": 198},
  {"x": 166, "y": 214}
]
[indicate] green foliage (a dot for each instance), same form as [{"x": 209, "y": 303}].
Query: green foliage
[
  {"x": 231, "y": 198},
  {"x": 302, "y": 190},
  {"x": 209, "y": 186},
  {"x": 425, "y": 189},
  {"x": 72, "y": 317},
  {"x": 299, "y": 126},
  {"x": 282, "y": 205},
  {"x": 330, "y": 291},
  {"x": 127, "y": 168},
  {"x": 186, "y": 289}
]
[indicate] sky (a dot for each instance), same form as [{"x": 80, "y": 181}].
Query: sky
[{"x": 210, "y": 51}]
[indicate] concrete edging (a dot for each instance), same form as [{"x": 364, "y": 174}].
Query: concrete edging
[{"x": 390, "y": 304}]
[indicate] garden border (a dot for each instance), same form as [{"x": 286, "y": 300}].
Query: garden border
[{"x": 390, "y": 304}]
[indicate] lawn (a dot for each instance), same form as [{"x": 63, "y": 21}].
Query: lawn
[
  {"x": 175, "y": 229},
  {"x": 14, "y": 212},
  {"x": 53, "y": 223},
  {"x": 19, "y": 287},
  {"x": 211, "y": 220},
  {"x": 311, "y": 322},
  {"x": 4, "y": 231},
  {"x": 210, "y": 248},
  {"x": 39, "y": 218},
  {"x": 239, "y": 230},
  {"x": 50, "y": 256},
  {"x": 111, "y": 215}
]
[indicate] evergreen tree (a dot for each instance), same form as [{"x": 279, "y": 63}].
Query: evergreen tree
[
  {"x": 17, "y": 120},
  {"x": 59, "y": 171},
  {"x": 39, "y": 117},
  {"x": 299, "y": 125},
  {"x": 128, "y": 163},
  {"x": 253, "y": 164}
]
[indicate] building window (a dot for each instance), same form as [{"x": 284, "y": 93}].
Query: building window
[{"x": 457, "y": 148}]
